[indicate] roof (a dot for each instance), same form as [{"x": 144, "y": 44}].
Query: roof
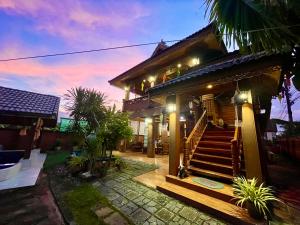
[
  {"x": 226, "y": 62},
  {"x": 18, "y": 103},
  {"x": 210, "y": 27}
]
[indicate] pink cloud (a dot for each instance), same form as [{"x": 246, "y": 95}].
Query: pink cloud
[
  {"x": 82, "y": 70},
  {"x": 76, "y": 20}
]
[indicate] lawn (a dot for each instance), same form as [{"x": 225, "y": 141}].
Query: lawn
[
  {"x": 81, "y": 200},
  {"x": 55, "y": 158}
]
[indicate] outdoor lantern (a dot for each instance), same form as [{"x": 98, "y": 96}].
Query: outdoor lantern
[
  {"x": 171, "y": 103},
  {"x": 151, "y": 79},
  {"x": 182, "y": 118},
  {"x": 240, "y": 97}
]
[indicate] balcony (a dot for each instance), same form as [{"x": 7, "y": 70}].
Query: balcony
[{"x": 138, "y": 104}]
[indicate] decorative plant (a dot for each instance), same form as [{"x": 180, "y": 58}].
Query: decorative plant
[
  {"x": 77, "y": 161},
  {"x": 256, "y": 198},
  {"x": 119, "y": 163}
]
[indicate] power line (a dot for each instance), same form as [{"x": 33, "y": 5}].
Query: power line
[{"x": 129, "y": 46}]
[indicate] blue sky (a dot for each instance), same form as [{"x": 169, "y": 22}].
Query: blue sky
[{"x": 34, "y": 27}]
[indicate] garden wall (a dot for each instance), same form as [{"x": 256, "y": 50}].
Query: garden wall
[{"x": 10, "y": 139}]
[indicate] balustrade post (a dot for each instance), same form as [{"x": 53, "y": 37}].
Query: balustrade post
[
  {"x": 235, "y": 157},
  {"x": 185, "y": 152}
]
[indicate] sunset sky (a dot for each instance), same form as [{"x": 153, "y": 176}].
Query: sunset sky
[{"x": 35, "y": 27}]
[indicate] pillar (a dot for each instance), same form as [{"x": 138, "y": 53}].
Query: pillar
[
  {"x": 127, "y": 92},
  {"x": 174, "y": 127},
  {"x": 150, "y": 146},
  {"x": 250, "y": 142}
]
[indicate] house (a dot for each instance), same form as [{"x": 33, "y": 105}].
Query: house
[
  {"x": 207, "y": 106},
  {"x": 29, "y": 112}
]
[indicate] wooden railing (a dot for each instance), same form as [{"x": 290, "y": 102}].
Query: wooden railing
[
  {"x": 236, "y": 151},
  {"x": 191, "y": 142}
]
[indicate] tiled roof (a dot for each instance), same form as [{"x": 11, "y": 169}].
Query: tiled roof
[
  {"x": 13, "y": 101},
  {"x": 214, "y": 67}
]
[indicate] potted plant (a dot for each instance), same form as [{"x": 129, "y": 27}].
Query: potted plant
[{"x": 256, "y": 198}]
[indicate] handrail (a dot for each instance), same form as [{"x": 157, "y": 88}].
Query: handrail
[
  {"x": 194, "y": 137},
  {"x": 236, "y": 151}
]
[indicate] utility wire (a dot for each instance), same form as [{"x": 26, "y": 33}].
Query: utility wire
[{"x": 129, "y": 46}]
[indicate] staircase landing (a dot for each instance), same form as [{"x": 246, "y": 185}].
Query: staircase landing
[{"x": 217, "y": 202}]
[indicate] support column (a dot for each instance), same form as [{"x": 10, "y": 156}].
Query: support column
[
  {"x": 174, "y": 127},
  {"x": 150, "y": 146},
  {"x": 127, "y": 92},
  {"x": 250, "y": 143}
]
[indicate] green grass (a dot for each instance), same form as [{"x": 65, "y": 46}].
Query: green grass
[
  {"x": 55, "y": 158},
  {"x": 81, "y": 200}
]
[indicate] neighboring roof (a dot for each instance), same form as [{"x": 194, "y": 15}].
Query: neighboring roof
[
  {"x": 167, "y": 50},
  {"x": 226, "y": 62},
  {"x": 271, "y": 126},
  {"x": 18, "y": 103}
]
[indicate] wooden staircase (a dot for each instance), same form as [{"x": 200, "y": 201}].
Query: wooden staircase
[{"x": 212, "y": 156}]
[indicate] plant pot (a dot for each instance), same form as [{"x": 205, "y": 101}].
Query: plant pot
[{"x": 253, "y": 211}]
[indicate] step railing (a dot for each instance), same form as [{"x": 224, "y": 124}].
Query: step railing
[
  {"x": 191, "y": 142},
  {"x": 236, "y": 151}
]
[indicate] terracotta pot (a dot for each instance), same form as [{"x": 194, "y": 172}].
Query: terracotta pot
[{"x": 253, "y": 211}]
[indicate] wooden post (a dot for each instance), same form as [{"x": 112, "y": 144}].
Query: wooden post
[
  {"x": 174, "y": 153},
  {"x": 250, "y": 143},
  {"x": 150, "y": 147}
]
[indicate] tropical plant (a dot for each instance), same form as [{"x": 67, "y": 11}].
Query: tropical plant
[
  {"x": 260, "y": 24},
  {"x": 248, "y": 192},
  {"x": 86, "y": 105},
  {"x": 92, "y": 150},
  {"x": 77, "y": 161}
]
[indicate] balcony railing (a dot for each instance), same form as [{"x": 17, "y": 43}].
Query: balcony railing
[{"x": 138, "y": 104}]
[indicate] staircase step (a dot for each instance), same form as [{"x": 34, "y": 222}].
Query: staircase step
[
  {"x": 213, "y": 158},
  {"x": 209, "y": 173},
  {"x": 216, "y": 138},
  {"x": 229, "y": 212},
  {"x": 215, "y": 167},
  {"x": 215, "y": 144},
  {"x": 213, "y": 151},
  {"x": 219, "y": 133},
  {"x": 225, "y": 194}
]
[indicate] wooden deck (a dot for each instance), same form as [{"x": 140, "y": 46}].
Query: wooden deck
[{"x": 218, "y": 202}]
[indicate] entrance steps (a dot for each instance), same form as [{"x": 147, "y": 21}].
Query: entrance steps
[{"x": 218, "y": 202}]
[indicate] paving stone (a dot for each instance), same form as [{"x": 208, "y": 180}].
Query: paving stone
[
  {"x": 140, "y": 216},
  {"x": 120, "y": 201},
  {"x": 212, "y": 221},
  {"x": 154, "y": 221},
  {"x": 164, "y": 214},
  {"x": 115, "y": 219},
  {"x": 132, "y": 195},
  {"x": 129, "y": 208},
  {"x": 189, "y": 213},
  {"x": 103, "y": 212},
  {"x": 178, "y": 220},
  {"x": 174, "y": 206},
  {"x": 111, "y": 195}
]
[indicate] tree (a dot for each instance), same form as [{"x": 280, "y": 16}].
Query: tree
[
  {"x": 259, "y": 24},
  {"x": 86, "y": 104}
]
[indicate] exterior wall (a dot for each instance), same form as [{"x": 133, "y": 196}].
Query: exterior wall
[{"x": 227, "y": 113}]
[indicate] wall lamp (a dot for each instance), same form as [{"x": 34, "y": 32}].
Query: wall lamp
[
  {"x": 171, "y": 103},
  {"x": 241, "y": 97}
]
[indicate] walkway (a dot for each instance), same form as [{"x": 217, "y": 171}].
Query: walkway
[
  {"x": 145, "y": 205},
  {"x": 152, "y": 178}
]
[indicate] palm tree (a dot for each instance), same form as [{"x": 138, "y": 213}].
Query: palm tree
[
  {"x": 86, "y": 104},
  {"x": 259, "y": 24}
]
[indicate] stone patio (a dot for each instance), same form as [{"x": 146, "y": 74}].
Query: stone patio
[{"x": 145, "y": 205}]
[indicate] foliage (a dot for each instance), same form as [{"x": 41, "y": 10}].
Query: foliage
[
  {"x": 260, "y": 24},
  {"x": 248, "y": 191},
  {"x": 92, "y": 150},
  {"x": 86, "y": 104},
  {"x": 55, "y": 158},
  {"x": 79, "y": 161},
  {"x": 120, "y": 163},
  {"x": 81, "y": 200},
  {"x": 291, "y": 130}
]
